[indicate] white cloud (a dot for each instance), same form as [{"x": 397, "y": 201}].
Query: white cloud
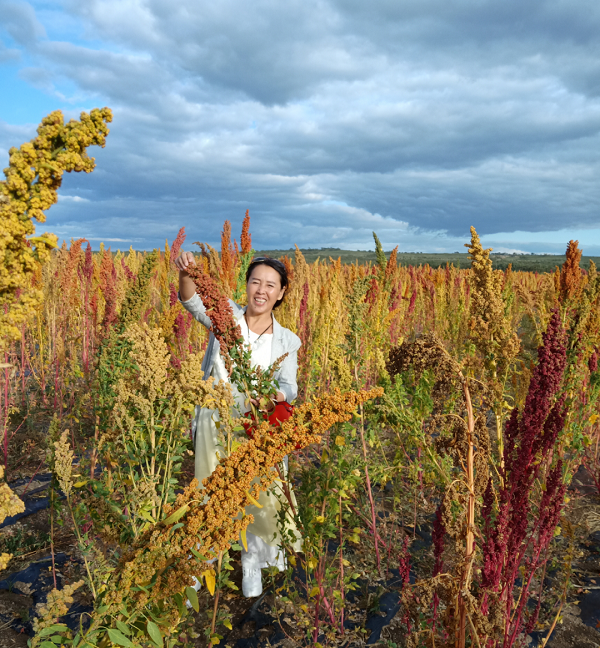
[
  {"x": 503, "y": 250},
  {"x": 75, "y": 199},
  {"x": 112, "y": 240}
]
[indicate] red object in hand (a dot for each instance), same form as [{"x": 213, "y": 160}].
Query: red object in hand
[{"x": 282, "y": 412}]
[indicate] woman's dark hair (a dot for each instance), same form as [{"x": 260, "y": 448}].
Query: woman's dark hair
[{"x": 276, "y": 265}]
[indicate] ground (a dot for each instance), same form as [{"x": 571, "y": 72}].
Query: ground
[{"x": 255, "y": 621}]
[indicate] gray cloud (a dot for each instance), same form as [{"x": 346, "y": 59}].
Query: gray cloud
[
  {"x": 19, "y": 20},
  {"x": 329, "y": 118}
]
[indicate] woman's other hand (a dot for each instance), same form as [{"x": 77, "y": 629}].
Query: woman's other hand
[
  {"x": 187, "y": 288},
  {"x": 270, "y": 404},
  {"x": 267, "y": 405}
]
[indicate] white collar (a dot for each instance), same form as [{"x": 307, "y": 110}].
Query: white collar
[{"x": 277, "y": 328}]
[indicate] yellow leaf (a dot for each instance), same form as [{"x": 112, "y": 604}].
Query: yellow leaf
[
  {"x": 81, "y": 483},
  {"x": 340, "y": 441},
  {"x": 324, "y": 456},
  {"x": 214, "y": 640},
  {"x": 227, "y": 624},
  {"x": 320, "y": 519},
  {"x": 292, "y": 561},
  {"x": 304, "y": 608},
  {"x": 593, "y": 418},
  {"x": 313, "y": 562},
  {"x": 42, "y": 239},
  {"x": 244, "y": 539},
  {"x": 209, "y": 578},
  {"x": 314, "y": 591},
  {"x": 557, "y": 531},
  {"x": 252, "y": 500},
  {"x": 179, "y": 513}
]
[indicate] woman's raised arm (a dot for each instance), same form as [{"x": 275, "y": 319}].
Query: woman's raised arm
[
  {"x": 187, "y": 288},
  {"x": 188, "y": 297}
]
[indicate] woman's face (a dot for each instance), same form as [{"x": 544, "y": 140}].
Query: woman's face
[{"x": 263, "y": 290}]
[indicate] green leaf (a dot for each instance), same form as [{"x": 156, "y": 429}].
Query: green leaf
[
  {"x": 119, "y": 638},
  {"x": 47, "y": 644},
  {"x": 146, "y": 515},
  {"x": 154, "y": 633},
  {"x": 180, "y": 606},
  {"x": 236, "y": 547},
  {"x": 57, "y": 639},
  {"x": 192, "y": 595},
  {"x": 123, "y": 628},
  {"x": 57, "y": 627},
  {"x": 179, "y": 513}
]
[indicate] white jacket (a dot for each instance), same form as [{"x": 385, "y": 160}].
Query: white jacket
[{"x": 284, "y": 341}]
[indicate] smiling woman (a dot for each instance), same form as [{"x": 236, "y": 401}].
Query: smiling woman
[{"x": 266, "y": 284}]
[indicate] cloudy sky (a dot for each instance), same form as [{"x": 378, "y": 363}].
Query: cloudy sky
[{"x": 328, "y": 119}]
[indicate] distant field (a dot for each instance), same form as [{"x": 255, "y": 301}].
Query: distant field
[{"x": 527, "y": 262}]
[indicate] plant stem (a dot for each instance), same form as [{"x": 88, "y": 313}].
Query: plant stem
[
  {"x": 87, "y": 567},
  {"x": 286, "y": 490},
  {"x": 470, "y": 538},
  {"x": 6, "y": 412},
  {"x": 217, "y": 593},
  {"x": 23, "y": 365},
  {"x": 52, "y": 533},
  {"x": 369, "y": 490},
  {"x": 342, "y": 593}
]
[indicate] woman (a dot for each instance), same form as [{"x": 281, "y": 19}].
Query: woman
[{"x": 266, "y": 283}]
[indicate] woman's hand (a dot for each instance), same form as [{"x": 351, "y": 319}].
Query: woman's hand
[
  {"x": 270, "y": 406},
  {"x": 184, "y": 260},
  {"x": 187, "y": 288}
]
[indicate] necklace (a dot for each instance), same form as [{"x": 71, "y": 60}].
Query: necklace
[{"x": 248, "y": 327}]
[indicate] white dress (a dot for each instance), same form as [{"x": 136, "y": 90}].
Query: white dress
[{"x": 262, "y": 535}]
